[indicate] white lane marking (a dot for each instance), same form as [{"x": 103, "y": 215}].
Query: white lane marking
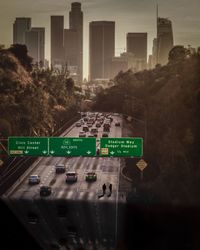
[
  {"x": 91, "y": 196},
  {"x": 83, "y": 163},
  {"x": 80, "y": 195},
  {"x": 60, "y": 193},
  {"x": 69, "y": 194}
]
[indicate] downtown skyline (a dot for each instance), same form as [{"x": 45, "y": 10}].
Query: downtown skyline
[{"x": 135, "y": 19}]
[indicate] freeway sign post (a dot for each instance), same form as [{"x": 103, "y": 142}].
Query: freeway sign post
[
  {"x": 141, "y": 164},
  {"x": 72, "y": 146},
  {"x": 28, "y": 146},
  {"x": 124, "y": 147}
]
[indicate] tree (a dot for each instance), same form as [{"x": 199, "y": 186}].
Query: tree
[
  {"x": 20, "y": 51},
  {"x": 177, "y": 54},
  {"x": 5, "y": 128}
]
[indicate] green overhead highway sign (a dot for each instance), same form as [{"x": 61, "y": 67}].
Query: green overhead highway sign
[
  {"x": 72, "y": 146},
  {"x": 28, "y": 146},
  {"x": 121, "y": 147}
]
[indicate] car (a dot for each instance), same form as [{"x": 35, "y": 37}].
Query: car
[
  {"x": 60, "y": 168},
  {"x": 89, "y": 124},
  {"x": 85, "y": 119},
  {"x": 94, "y": 130},
  {"x": 82, "y": 122},
  {"x": 91, "y": 135},
  {"x": 33, "y": 218},
  {"x": 111, "y": 119},
  {"x": 106, "y": 124},
  {"x": 85, "y": 128},
  {"x": 91, "y": 176},
  {"x": 106, "y": 129},
  {"x": 71, "y": 176},
  {"x": 45, "y": 191},
  {"x": 34, "y": 179},
  {"x": 117, "y": 124},
  {"x": 98, "y": 124},
  {"x": 82, "y": 134},
  {"x": 78, "y": 124},
  {"x": 104, "y": 134},
  {"x": 91, "y": 120}
]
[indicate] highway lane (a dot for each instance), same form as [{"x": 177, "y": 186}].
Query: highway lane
[
  {"x": 106, "y": 169},
  {"x": 94, "y": 218}
]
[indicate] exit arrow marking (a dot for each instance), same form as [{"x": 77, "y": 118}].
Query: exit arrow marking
[
  {"x": 68, "y": 152},
  {"x": 44, "y": 152},
  {"x": 112, "y": 153},
  {"x": 52, "y": 152},
  {"x": 88, "y": 152},
  {"x": 26, "y": 152}
]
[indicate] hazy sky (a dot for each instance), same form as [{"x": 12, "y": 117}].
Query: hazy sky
[{"x": 129, "y": 15}]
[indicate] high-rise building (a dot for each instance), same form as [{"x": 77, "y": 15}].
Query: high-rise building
[
  {"x": 131, "y": 60},
  {"x": 118, "y": 64},
  {"x": 76, "y": 24},
  {"x": 164, "y": 39},
  {"x": 71, "y": 57},
  {"x": 137, "y": 44},
  {"x": 35, "y": 42},
  {"x": 150, "y": 64},
  {"x": 101, "y": 49},
  {"x": 20, "y": 26},
  {"x": 154, "y": 53},
  {"x": 57, "y": 40}
]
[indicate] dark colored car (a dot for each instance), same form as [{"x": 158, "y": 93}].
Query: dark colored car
[
  {"x": 85, "y": 128},
  {"x": 60, "y": 168},
  {"x": 94, "y": 131},
  {"x": 45, "y": 191},
  {"x": 117, "y": 124},
  {"x": 33, "y": 218},
  {"x": 91, "y": 176},
  {"x": 98, "y": 124},
  {"x": 106, "y": 129},
  {"x": 82, "y": 134},
  {"x": 105, "y": 134}
]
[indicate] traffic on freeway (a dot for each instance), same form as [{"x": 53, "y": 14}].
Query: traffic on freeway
[{"x": 73, "y": 199}]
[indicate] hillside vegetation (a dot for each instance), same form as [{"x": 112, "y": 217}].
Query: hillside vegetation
[
  {"x": 33, "y": 101},
  {"x": 168, "y": 98}
]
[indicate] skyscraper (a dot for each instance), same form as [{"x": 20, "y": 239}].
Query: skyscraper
[
  {"x": 35, "y": 42},
  {"x": 101, "y": 48},
  {"x": 57, "y": 36},
  {"x": 154, "y": 53},
  {"x": 118, "y": 64},
  {"x": 71, "y": 44},
  {"x": 164, "y": 39},
  {"x": 137, "y": 44},
  {"x": 20, "y": 26},
  {"x": 76, "y": 24}
]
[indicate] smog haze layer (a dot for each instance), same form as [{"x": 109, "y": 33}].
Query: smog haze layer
[{"x": 129, "y": 15}]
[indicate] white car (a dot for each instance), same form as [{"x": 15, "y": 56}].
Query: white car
[
  {"x": 71, "y": 176},
  {"x": 78, "y": 124},
  {"x": 34, "y": 179}
]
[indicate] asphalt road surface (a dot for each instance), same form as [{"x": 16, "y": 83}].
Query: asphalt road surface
[{"x": 88, "y": 219}]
